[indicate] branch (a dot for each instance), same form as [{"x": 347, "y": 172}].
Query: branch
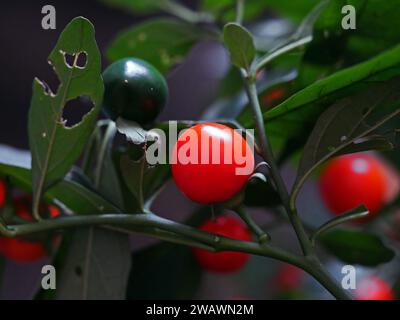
[
  {"x": 161, "y": 228},
  {"x": 268, "y": 156},
  {"x": 261, "y": 234}
]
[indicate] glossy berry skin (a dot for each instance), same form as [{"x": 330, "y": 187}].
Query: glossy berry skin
[
  {"x": 351, "y": 180},
  {"x": 374, "y": 288},
  {"x": 19, "y": 249},
  {"x": 227, "y": 261},
  {"x": 134, "y": 90},
  {"x": 209, "y": 181},
  {"x": 2, "y": 193}
]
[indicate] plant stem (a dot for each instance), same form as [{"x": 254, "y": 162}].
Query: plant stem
[
  {"x": 313, "y": 266},
  {"x": 268, "y": 156},
  {"x": 105, "y": 144},
  {"x": 261, "y": 234},
  {"x": 150, "y": 221},
  {"x": 184, "y": 13},
  {"x": 239, "y": 11}
]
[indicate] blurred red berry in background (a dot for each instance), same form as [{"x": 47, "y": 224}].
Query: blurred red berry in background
[
  {"x": 374, "y": 288},
  {"x": 226, "y": 261}
]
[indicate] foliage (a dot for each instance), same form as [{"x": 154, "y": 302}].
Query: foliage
[{"x": 341, "y": 96}]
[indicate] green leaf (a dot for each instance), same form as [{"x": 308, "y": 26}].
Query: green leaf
[
  {"x": 225, "y": 10},
  {"x": 303, "y": 108},
  {"x": 376, "y": 30},
  {"x": 54, "y": 146},
  {"x": 136, "y": 6},
  {"x": 299, "y": 38},
  {"x": 76, "y": 197},
  {"x": 164, "y": 271},
  {"x": 96, "y": 266},
  {"x": 357, "y": 247},
  {"x": 240, "y": 45},
  {"x": 351, "y": 215},
  {"x": 161, "y": 42},
  {"x": 231, "y": 107},
  {"x": 141, "y": 179},
  {"x": 347, "y": 122},
  {"x": 133, "y": 131}
]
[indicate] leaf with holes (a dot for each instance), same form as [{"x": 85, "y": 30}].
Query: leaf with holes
[
  {"x": 357, "y": 247},
  {"x": 240, "y": 45},
  {"x": 161, "y": 42},
  {"x": 54, "y": 146},
  {"x": 352, "y": 124}
]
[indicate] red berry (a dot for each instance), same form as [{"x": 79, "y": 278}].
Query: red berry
[
  {"x": 2, "y": 193},
  {"x": 21, "y": 250},
  {"x": 274, "y": 95},
  {"x": 351, "y": 180},
  {"x": 226, "y": 261},
  {"x": 374, "y": 288},
  {"x": 289, "y": 277},
  {"x": 207, "y": 175}
]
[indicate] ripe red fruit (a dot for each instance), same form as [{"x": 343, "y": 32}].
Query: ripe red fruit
[
  {"x": 227, "y": 261},
  {"x": 206, "y": 174},
  {"x": 2, "y": 193},
  {"x": 289, "y": 277},
  {"x": 272, "y": 96},
  {"x": 19, "y": 249},
  {"x": 351, "y": 180},
  {"x": 374, "y": 288}
]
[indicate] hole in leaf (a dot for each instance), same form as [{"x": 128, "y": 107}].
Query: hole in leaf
[
  {"x": 77, "y": 60},
  {"x": 75, "y": 110}
]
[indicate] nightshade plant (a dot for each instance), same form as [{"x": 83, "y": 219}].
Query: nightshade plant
[{"x": 342, "y": 95}]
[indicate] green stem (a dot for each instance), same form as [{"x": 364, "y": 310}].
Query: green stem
[
  {"x": 184, "y": 13},
  {"x": 313, "y": 266},
  {"x": 261, "y": 234},
  {"x": 107, "y": 138},
  {"x": 268, "y": 156},
  {"x": 149, "y": 220},
  {"x": 155, "y": 226},
  {"x": 239, "y": 11}
]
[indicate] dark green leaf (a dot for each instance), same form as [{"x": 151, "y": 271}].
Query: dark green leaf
[
  {"x": 353, "y": 214},
  {"x": 267, "y": 85},
  {"x": 164, "y": 271},
  {"x": 141, "y": 179},
  {"x": 240, "y": 45},
  {"x": 161, "y": 42},
  {"x": 347, "y": 122},
  {"x": 373, "y": 142},
  {"x": 304, "y": 107},
  {"x": 357, "y": 247},
  {"x": 302, "y": 36},
  {"x": 54, "y": 146},
  {"x": 96, "y": 266},
  {"x": 225, "y": 10}
]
